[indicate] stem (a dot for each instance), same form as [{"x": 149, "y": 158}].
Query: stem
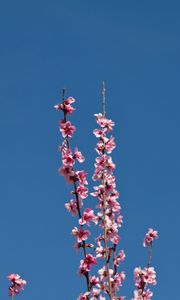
[
  {"x": 103, "y": 99},
  {"x": 150, "y": 255}
]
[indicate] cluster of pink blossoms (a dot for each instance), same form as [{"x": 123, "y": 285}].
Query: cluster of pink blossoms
[
  {"x": 147, "y": 276},
  {"x": 17, "y": 284},
  {"x": 108, "y": 280},
  {"x": 78, "y": 179},
  {"x": 109, "y": 215}
]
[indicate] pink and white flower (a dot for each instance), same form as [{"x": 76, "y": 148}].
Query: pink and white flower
[
  {"x": 88, "y": 215},
  {"x": 150, "y": 236},
  {"x": 81, "y": 234},
  {"x": 78, "y": 155},
  {"x": 86, "y": 264},
  {"x": 67, "y": 129},
  {"x": 17, "y": 284}
]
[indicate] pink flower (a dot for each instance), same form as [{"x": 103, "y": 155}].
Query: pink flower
[
  {"x": 119, "y": 278},
  {"x": 67, "y": 172},
  {"x": 103, "y": 273},
  {"x": 66, "y": 106},
  {"x": 67, "y": 159},
  {"x": 86, "y": 264},
  {"x": 119, "y": 258},
  {"x": 104, "y": 162},
  {"x": 99, "y": 132},
  {"x": 69, "y": 100},
  {"x": 78, "y": 155},
  {"x": 67, "y": 129},
  {"x": 145, "y": 295},
  {"x": 80, "y": 233},
  {"x": 104, "y": 122},
  {"x": 100, "y": 251},
  {"x": 82, "y": 191},
  {"x": 88, "y": 215},
  {"x": 81, "y": 176},
  {"x": 17, "y": 284},
  {"x": 150, "y": 236},
  {"x": 95, "y": 293},
  {"x": 94, "y": 280},
  {"x": 72, "y": 207},
  {"x": 110, "y": 145}
]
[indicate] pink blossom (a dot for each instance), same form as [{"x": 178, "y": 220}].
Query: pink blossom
[
  {"x": 94, "y": 280},
  {"x": 114, "y": 205},
  {"x": 104, "y": 162},
  {"x": 119, "y": 258},
  {"x": 67, "y": 129},
  {"x": 115, "y": 239},
  {"x": 81, "y": 176},
  {"x": 88, "y": 215},
  {"x": 66, "y": 106},
  {"x": 67, "y": 159},
  {"x": 95, "y": 293},
  {"x": 100, "y": 251},
  {"x": 103, "y": 273},
  {"x": 17, "y": 284},
  {"x": 119, "y": 220},
  {"x": 145, "y": 295},
  {"x": 67, "y": 172},
  {"x": 86, "y": 264},
  {"x": 110, "y": 145},
  {"x": 119, "y": 278},
  {"x": 99, "y": 132},
  {"x": 104, "y": 122},
  {"x": 78, "y": 155},
  {"x": 82, "y": 191},
  {"x": 80, "y": 233},
  {"x": 72, "y": 207},
  {"x": 150, "y": 236}
]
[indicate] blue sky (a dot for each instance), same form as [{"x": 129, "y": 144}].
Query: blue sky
[{"x": 45, "y": 45}]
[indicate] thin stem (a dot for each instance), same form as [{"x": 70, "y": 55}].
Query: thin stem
[
  {"x": 150, "y": 255},
  {"x": 103, "y": 98}
]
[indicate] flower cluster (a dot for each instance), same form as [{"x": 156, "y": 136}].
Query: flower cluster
[
  {"x": 109, "y": 215},
  {"x": 17, "y": 284},
  {"x": 78, "y": 179},
  {"x": 147, "y": 276}
]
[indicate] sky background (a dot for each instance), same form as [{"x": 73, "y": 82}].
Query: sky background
[{"x": 45, "y": 45}]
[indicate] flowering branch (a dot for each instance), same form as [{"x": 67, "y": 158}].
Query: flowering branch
[
  {"x": 109, "y": 215},
  {"x": 109, "y": 218},
  {"x": 147, "y": 276},
  {"x": 80, "y": 191}
]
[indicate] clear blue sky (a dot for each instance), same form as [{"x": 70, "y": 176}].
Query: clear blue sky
[{"x": 45, "y": 45}]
